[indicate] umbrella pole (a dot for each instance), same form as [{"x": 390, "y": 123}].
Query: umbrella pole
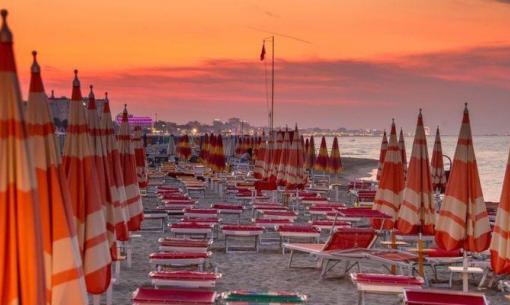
[
  {"x": 393, "y": 246},
  {"x": 420, "y": 256},
  {"x": 465, "y": 273}
]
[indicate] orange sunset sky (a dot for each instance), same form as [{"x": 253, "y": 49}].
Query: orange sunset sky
[{"x": 350, "y": 63}]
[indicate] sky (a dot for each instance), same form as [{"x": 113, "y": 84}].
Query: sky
[{"x": 350, "y": 63}]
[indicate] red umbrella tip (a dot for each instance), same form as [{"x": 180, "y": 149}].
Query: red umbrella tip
[
  {"x": 106, "y": 108},
  {"x": 35, "y": 66},
  {"x": 76, "y": 81},
  {"x": 5, "y": 32},
  {"x": 125, "y": 114}
]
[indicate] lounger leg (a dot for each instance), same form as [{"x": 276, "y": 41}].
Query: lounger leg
[
  {"x": 483, "y": 279},
  {"x": 361, "y": 298},
  {"x": 109, "y": 293},
  {"x": 129, "y": 252},
  {"x": 96, "y": 299},
  {"x": 290, "y": 258}
]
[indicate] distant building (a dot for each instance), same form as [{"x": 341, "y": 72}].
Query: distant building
[{"x": 142, "y": 121}]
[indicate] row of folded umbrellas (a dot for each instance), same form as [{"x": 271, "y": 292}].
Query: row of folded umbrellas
[
  {"x": 462, "y": 221},
  {"x": 61, "y": 214}
]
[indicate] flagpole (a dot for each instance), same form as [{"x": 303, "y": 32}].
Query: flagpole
[{"x": 272, "y": 87}]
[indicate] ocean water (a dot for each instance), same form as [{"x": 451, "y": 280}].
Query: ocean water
[{"x": 491, "y": 154}]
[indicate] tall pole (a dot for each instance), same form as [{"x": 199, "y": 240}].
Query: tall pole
[{"x": 272, "y": 88}]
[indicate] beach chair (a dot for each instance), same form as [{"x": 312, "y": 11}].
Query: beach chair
[
  {"x": 262, "y": 298},
  {"x": 244, "y": 232},
  {"x": 346, "y": 243},
  {"x": 229, "y": 209},
  {"x": 442, "y": 297},
  {"x": 170, "y": 244},
  {"x": 299, "y": 231},
  {"x": 184, "y": 279},
  {"x": 179, "y": 259},
  {"x": 154, "y": 215},
  {"x": 327, "y": 224},
  {"x": 153, "y": 296},
  {"x": 191, "y": 229},
  {"x": 386, "y": 284}
]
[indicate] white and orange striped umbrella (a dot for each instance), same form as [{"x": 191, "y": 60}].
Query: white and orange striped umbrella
[
  {"x": 416, "y": 214},
  {"x": 109, "y": 194},
  {"x": 310, "y": 154},
  {"x": 402, "y": 147},
  {"x": 390, "y": 193},
  {"x": 185, "y": 148},
  {"x": 437, "y": 166},
  {"x": 218, "y": 155},
  {"x": 463, "y": 222},
  {"x": 204, "y": 150},
  {"x": 258, "y": 171},
  {"x": 321, "y": 163},
  {"x": 120, "y": 212},
  {"x": 500, "y": 243},
  {"x": 275, "y": 161},
  {"x": 295, "y": 177},
  {"x": 382, "y": 155},
  {"x": 335, "y": 162},
  {"x": 81, "y": 171},
  {"x": 284, "y": 159},
  {"x": 141, "y": 164},
  {"x": 22, "y": 277},
  {"x": 128, "y": 164},
  {"x": 268, "y": 157},
  {"x": 63, "y": 264}
]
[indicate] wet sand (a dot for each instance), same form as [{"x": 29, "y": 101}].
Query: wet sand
[{"x": 266, "y": 270}]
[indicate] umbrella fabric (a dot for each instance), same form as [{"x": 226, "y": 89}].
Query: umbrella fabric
[
  {"x": 258, "y": 171},
  {"x": 335, "y": 162},
  {"x": 416, "y": 214},
  {"x": 63, "y": 265},
  {"x": 109, "y": 194},
  {"x": 128, "y": 164},
  {"x": 463, "y": 221},
  {"x": 211, "y": 152},
  {"x": 81, "y": 171},
  {"x": 391, "y": 186},
  {"x": 219, "y": 160},
  {"x": 402, "y": 147},
  {"x": 141, "y": 166},
  {"x": 438, "y": 174},
  {"x": 204, "y": 149},
  {"x": 284, "y": 158},
  {"x": 185, "y": 148},
  {"x": 268, "y": 157},
  {"x": 382, "y": 155},
  {"x": 310, "y": 158},
  {"x": 171, "y": 146},
  {"x": 500, "y": 243},
  {"x": 321, "y": 163},
  {"x": 277, "y": 152},
  {"x": 22, "y": 269},
  {"x": 120, "y": 212},
  {"x": 295, "y": 172}
]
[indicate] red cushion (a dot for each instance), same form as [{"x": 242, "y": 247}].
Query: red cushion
[
  {"x": 242, "y": 228},
  {"x": 190, "y": 225},
  {"x": 275, "y": 221},
  {"x": 183, "y": 275},
  {"x": 388, "y": 279},
  {"x": 441, "y": 297},
  {"x": 174, "y": 296},
  {"x": 200, "y": 220},
  {"x": 297, "y": 229},
  {"x": 178, "y": 255},
  {"x": 201, "y": 211},
  {"x": 279, "y": 213},
  {"x": 329, "y": 223},
  {"x": 349, "y": 238},
  {"x": 436, "y": 252},
  {"x": 181, "y": 242},
  {"x": 221, "y": 206}
]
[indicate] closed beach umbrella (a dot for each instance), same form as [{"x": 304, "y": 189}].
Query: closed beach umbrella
[
  {"x": 321, "y": 163},
  {"x": 335, "y": 162},
  {"x": 268, "y": 157},
  {"x": 219, "y": 161},
  {"x": 284, "y": 159},
  {"x": 437, "y": 166},
  {"x": 63, "y": 265},
  {"x": 500, "y": 243},
  {"x": 128, "y": 164},
  {"x": 204, "y": 149},
  {"x": 402, "y": 147},
  {"x": 307, "y": 146},
  {"x": 416, "y": 214},
  {"x": 295, "y": 172},
  {"x": 382, "y": 155},
  {"x": 277, "y": 152},
  {"x": 113, "y": 162},
  {"x": 258, "y": 171},
  {"x": 22, "y": 277},
  {"x": 310, "y": 158},
  {"x": 463, "y": 222},
  {"x": 185, "y": 151},
  {"x": 390, "y": 192},
  {"x": 141, "y": 165},
  {"x": 171, "y": 146},
  {"x": 80, "y": 167}
]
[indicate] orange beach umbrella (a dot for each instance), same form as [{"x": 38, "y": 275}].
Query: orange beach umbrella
[
  {"x": 295, "y": 170},
  {"x": 128, "y": 164},
  {"x": 22, "y": 277},
  {"x": 500, "y": 243},
  {"x": 141, "y": 165},
  {"x": 416, "y": 214},
  {"x": 310, "y": 157},
  {"x": 402, "y": 147},
  {"x": 335, "y": 162},
  {"x": 382, "y": 155},
  {"x": 284, "y": 158},
  {"x": 120, "y": 212},
  {"x": 258, "y": 171},
  {"x": 438, "y": 174},
  {"x": 463, "y": 222},
  {"x": 391, "y": 186},
  {"x": 63, "y": 265},
  {"x": 80, "y": 167},
  {"x": 321, "y": 163}
]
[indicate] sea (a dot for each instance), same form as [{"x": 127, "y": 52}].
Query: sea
[{"x": 491, "y": 155}]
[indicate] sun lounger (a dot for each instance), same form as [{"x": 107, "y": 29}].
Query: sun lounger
[
  {"x": 179, "y": 259},
  {"x": 442, "y": 297},
  {"x": 152, "y": 296},
  {"x": 155, "y": 215},
  {"x": 242, "y": 231},
  {"x": 279, "y": 215},
  {"x": 184, "y": 279},
  {"x": 262, "y": 298},
  {"x": 184, "y": 245},
  {"x": 326, "y": 224},
  {"x": 201, "y": 213},
  {"x": 271, "y": 224},
  {"x": 190, "y": 228},
  {"x": 370, "y": 283},
  {"x": 288, "y": 232}
]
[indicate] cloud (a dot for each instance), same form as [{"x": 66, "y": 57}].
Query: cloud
[{"x": 326, "y": 93}]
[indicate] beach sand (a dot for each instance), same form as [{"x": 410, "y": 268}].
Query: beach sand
[{"x": 266, "y": 270}]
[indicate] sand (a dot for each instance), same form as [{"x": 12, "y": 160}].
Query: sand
[{"x": 266, "y": 270}]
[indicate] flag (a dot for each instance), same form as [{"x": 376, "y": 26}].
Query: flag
[{"x": 263, "y": 52}]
